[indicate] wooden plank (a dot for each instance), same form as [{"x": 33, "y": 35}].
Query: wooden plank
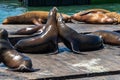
[
  {"x": 99, "y": 64},
  {"x": 81, "y": 28},
  {"x": 86, "y": 28}
]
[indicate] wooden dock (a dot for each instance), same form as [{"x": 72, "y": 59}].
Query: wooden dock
[{"x": 102, "y": 64}]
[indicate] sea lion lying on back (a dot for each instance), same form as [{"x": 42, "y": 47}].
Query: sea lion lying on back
[
  {"x": 31, "y": 17},
  {"x": 94, "y": 17}
]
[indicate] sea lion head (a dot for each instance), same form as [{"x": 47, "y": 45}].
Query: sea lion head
[
  {"x": 53, "y": 11},
  {"x": 3, "y": 34},
  {"x": 10, "y": 20}
]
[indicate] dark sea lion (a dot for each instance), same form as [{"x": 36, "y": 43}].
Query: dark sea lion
[
  {"x": 10, "y": 57},
  {"x": 78, "y": 42},
  {"x": 94, "y": 18},
  {"x": 31, "y": 17},
  {"x": 28, "y": 31},
  {"x": 109, "y": 37},
  {"x": 45, "y": 42}
]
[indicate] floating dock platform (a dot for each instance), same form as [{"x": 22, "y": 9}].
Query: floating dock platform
[{"x": 101, "y": 64}]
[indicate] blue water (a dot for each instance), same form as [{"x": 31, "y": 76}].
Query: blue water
[{"x": 15, "y": 8}]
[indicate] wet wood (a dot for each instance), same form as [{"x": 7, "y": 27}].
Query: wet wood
[{"x": 94, "y": 65}]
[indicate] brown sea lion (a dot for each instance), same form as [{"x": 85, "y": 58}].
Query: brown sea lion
[
  {"x": 31, "y": 17},
  {"x": 78, "y": 42},
  {"x": 10, "y": 57},
  {"x": 94, "y": 18},
  {"x": 109, "y": 37},
  {"x": 45, "y": 42}
]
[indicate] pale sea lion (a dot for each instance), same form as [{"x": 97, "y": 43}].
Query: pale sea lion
[
  {"x": 14, "y": 60},
  {"x": 115, "y": 15},
  {"x": 94, "y": 18},
  {"x": 45, "y": 42},
  {"x": 78, "y": 42},
  {"x": 93, "y": 10}
]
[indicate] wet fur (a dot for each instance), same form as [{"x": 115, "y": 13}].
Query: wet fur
[
  {"x": 109, "y": 37},
  {"x": 31, "y": 17},
  {"x": 45, "y": 42},
  {"x": 14, "y": 60},
  {"x": 78, "y": 42}
]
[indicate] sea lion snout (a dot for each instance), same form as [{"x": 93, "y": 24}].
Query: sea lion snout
[
  {"x": 53, "y": 11},
  {"x": 5, "y": 21}
]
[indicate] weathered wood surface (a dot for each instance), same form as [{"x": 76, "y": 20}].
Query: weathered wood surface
[
  {"x": 102, "y": 64},
  {"x": 81, "y": 28}
]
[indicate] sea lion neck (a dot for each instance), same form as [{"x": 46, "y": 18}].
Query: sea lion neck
[{"x": 52, "y": 15}]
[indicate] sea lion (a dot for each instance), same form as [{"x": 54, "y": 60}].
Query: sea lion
[
  {"x": 31, "y": 17},
  {"x": 10, "y": 57},
  {"x": 28, "y": 31},
  {"x": 94, "y": 18},
  {"x": 115, "y": 15},
  {"x": 75, "y": 41},
  {"x": 93, "y": 10},
  {"x": 109, "y": 37},
  {"x": 45, "y": 42}
]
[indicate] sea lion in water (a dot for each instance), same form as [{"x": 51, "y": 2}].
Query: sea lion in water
[
  {"x": 45, "y": 42},
  {"x": 78, "y": 42},
  {"x": 31, "y": 17},
  {"x": 109, "y": 37},
  {"x": 10, "y": 57},
  {"x": 94, "y": 17}
]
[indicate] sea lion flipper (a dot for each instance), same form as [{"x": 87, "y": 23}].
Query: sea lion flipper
[
  {"x": 22, "y": 68},
  {"x": 74, "y": 47},
  {"x": 37, "y": 22}
]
